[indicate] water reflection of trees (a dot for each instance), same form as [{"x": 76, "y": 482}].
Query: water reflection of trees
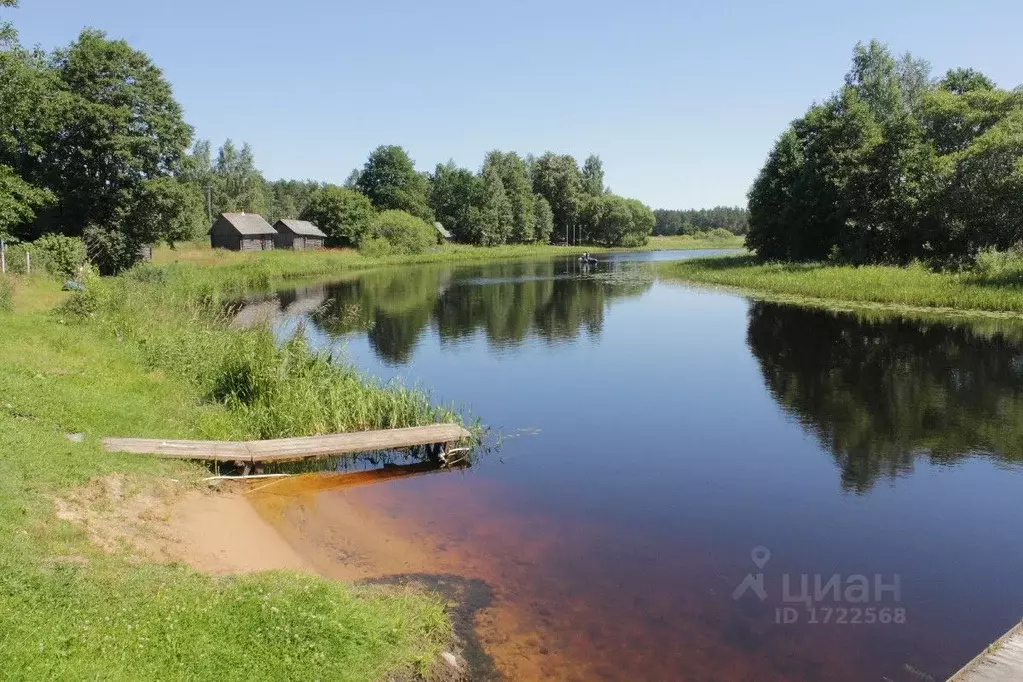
[
  {"x": 508, "y": 302},
  {"x": 881, "y": 392}
]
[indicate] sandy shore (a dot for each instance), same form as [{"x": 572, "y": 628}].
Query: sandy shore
[{"x": 217, "y": 531}]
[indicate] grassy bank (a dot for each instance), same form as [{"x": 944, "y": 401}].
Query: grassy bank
[
  {"x": 222, "y": 268},
  {"x": 995, "y": 286},
  {"x": 143, "y": 356}
]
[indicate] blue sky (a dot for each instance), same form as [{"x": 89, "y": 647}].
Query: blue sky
[{"x": 681, "y": 100}]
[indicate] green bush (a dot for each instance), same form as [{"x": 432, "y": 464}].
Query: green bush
[
  {"x": 404, "y": 232},
  {"x": 62, "y": 256},
  {"x": 111, "y": 251},
  {"x": 719, "y": 234},
  {"x": 85, "y": 303},
  {"x": 375, "y": 247},
  {"x": 343, "y": 214}
]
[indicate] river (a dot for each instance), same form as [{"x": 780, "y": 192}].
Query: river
[{"x": 686, "y": 484}]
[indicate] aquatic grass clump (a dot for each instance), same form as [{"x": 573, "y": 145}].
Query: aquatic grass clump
[
  {"x": 291, "y": 390},
  {"x": 178, "y": 325}
]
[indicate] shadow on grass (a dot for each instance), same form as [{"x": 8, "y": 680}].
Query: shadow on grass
[{"x": 469, "y": 596}]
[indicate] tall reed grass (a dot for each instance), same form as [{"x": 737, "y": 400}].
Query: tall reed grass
[{"x": 177, "y": 323}]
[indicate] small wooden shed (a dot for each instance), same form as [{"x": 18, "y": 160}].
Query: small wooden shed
[
  {"x": 298, "y": 234},
  {"x": 242, "y": 232}
]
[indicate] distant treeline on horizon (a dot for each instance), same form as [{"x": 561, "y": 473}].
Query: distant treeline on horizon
[{"x": 670, "y": 222}]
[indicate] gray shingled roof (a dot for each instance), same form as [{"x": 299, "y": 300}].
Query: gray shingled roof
[
  {"x": 249, "y": 223},
  {"x": 443, "y": 231},
  {"x": 303, "y": 228}
]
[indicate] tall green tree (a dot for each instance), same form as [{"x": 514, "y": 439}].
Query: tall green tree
[
  {"x": 117, "y": 126},
  {"x": 289, "y": 198},
  {"x": 238, "y": 185},
  {"x": 518, "y": 188},
  {"x": 775, "y": 201},
  {"x": 28, "y": 92},
  {"x": 543, "y": 220},
  {"x": 456, "y": 197},
  {"x": 557, "y": 179},
  {"x": 166, "y": 210},
  {"x": 352, "y": 181},
  {"x": 495, "y": 218},
  {"x": 19, "y": 202},
  {"x": 592, "y": 176},
  {"x": 611, "y": 220},
  {"x": 391, "y": 182}
]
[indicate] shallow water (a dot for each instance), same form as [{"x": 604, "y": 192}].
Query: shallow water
[{"x": 661, "y": 444}]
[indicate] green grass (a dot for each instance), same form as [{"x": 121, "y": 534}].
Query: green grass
[
  {"x": 994, "y": 286},
  {"x": 143, "y": 364}
]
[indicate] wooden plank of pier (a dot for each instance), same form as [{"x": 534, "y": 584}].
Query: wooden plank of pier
[
  {"x": 289, "y": 449},
  {"x": 1001, "y": 662}
]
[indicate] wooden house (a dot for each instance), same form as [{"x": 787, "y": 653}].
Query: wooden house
[
  {"x": 298, "y": 234},
  {"x": 242, "y": 232}
]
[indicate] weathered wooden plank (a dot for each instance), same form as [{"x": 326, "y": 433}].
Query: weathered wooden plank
[
  {"x": 1001, "y": 662},
  {"x": 223, "y": 451},
  {"x": 285, "y": 449},
  {"x": 347, "y": 443}
]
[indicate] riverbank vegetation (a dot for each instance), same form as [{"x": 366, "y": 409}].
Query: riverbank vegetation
[
  {"x": 900, "y": 190},
  {"x": 895, "y": 167},
  {"x": 149, "y": 354},
  {"x": 994, "y": 285}
]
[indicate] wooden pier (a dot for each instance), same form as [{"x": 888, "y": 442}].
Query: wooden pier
[
  {"x": 1000, "y": 662},
  {"x": 255, "y": 452}
]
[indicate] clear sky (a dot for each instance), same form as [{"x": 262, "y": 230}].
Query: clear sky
[{"x": 681, "y": 100}]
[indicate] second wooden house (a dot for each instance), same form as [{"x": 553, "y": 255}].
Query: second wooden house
[{"x": 298, "y": 234}]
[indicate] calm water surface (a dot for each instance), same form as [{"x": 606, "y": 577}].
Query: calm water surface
[{"x": 661, "y": 444}]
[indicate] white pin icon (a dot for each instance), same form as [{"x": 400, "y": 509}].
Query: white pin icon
[{"x": 760, "y": 555}]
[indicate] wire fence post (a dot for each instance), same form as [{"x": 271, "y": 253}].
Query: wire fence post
[
  {"x": 28, "y": 262},
  {"x": 3, "y": 257}
]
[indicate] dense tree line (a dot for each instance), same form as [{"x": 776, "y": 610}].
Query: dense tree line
[
  {"x": 93, "y": 144},
  {"x": 893, "y": 167},
  {"x": 670, "y": 222}
]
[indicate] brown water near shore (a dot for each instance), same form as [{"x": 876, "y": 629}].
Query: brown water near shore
[{"x": 559, "y": 609}]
